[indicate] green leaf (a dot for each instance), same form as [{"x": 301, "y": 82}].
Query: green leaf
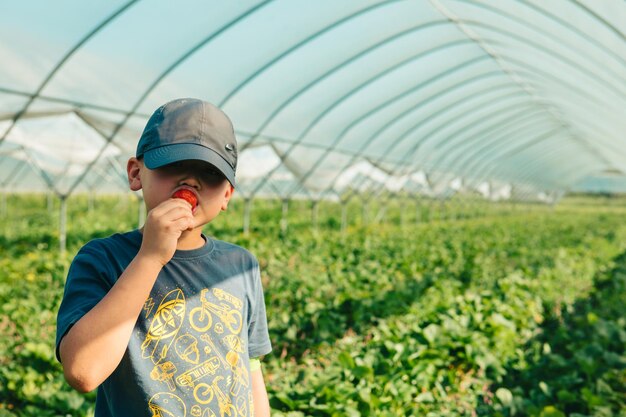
[
  {"x": 431, "y": 332},
  {"x": 551, "y": 411},
  {"x": 505, "y": 396}
]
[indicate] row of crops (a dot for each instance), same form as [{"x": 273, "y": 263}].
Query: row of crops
[{"x": 514, "y": 312}]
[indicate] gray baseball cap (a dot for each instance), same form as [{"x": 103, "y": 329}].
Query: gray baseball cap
[{"x": 189, "y": 128}]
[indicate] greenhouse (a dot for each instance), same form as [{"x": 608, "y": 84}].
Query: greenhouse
[{"x": 425, "y": 113}]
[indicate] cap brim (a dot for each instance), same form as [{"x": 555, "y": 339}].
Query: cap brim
[{"x": 169, "y": 154}]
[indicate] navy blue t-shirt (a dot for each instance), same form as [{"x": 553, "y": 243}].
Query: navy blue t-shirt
[{"x": 190, "y": 349}]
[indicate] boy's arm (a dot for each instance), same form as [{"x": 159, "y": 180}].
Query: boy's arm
[
  {"x": 95, "y": 345},
  {"x": 259, "y": 394}
]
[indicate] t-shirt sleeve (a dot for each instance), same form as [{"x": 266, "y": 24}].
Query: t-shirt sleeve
[
  {"x": 88, "y": 281},
  {"x": 258, "y": 337}
]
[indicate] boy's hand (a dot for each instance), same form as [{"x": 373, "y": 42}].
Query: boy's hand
[{"x": 164, "y": 225}]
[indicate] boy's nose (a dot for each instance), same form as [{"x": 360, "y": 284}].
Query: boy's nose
[{"x": 190, "y": 181}]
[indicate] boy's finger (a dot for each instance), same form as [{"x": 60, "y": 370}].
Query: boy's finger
[
  {"x": 176, "y": 210},
  {"x": 184, "y": 223}
]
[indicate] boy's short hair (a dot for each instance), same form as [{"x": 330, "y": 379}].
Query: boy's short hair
[{"x": 189, "y": 129}]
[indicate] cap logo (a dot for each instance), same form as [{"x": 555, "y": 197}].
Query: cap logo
[{"x": 229, "y": 147}]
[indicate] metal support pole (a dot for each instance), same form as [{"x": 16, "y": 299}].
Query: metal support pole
[
  {"x": 380, "y": 216},
  {"x": 344, "y": 216},
  {"x": 3, "y": 203},
  {"x": 418, "y": 210},
  {"x": 283, "y": 219},
  {"x": 315, "y": 214},
  {"x": 364, "y": 215},
  {"x": 63, "y": 225},
  {"x": 247, "y": 207},
  {"x": 442, "y": 209}
]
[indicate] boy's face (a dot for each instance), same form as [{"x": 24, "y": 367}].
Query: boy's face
[{"x": 207, "y": 183}]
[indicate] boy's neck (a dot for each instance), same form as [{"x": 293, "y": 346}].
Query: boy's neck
[{"x": 191, "y": 239}]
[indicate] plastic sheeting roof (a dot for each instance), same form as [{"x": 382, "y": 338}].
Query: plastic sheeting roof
[{"x": 419, "y": 96}]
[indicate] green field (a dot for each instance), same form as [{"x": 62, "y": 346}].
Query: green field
[{"x": 419, "y": 309}]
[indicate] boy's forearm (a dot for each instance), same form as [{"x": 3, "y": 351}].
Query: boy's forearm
[
  {"x": 95, "y": 345},
  {"x": 259, "y": 394}
]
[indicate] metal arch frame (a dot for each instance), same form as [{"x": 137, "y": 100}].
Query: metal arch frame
[
  {"x": 411, "y": 153},
  {"x": 75, "y": 103},
  {"x": 63, "y": 60},
  {"x": 349, "y": 61},
  {"x": 404, "y": 161},
  {"x": 373, "y": 137},
  {"x": 488, "y": 165},
  {"x": 167, "y": 71},
  {"x": 394, "y": 143},
  {"x": 40, "y": 96},
  {"x": 609, "y": 145},
  {"x": 537, "y": 183},
  {"x": 19, "y": 166},
  {"x": 569, "y": 86},
  {"x": 354, "y": 58},
  {"x": 446, "y": 122},
  {"x": 552, "y": 17},
  {"x": 401, "y": 138},
  {"x": 604, "y": 144},
  {"x": 485, "y": 141},
  {"x": 384, "y": 185},
  {"x": 600, "y": 19},
  {"x": 388, "y": 102},
  {"x": 531, "y": 165},
  {"x": 469, "y": 161},
  {"x": 533, "y": 70},
  {"x": 301, "y": 137},
  {"x": 17, "y": 179},
  {"x": 295, "y": 47},
  {"x": 560, "y": 81},
  {"x": 158, "y": 79},
  {"x": 462, "y": 27},
  {"x": 42, "y": 173},
  {"x": 426, "y": 137},
  {"x": 573, "y": 64}
]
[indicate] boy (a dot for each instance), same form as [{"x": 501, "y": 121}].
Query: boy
[{"x": 164, "y": 320}]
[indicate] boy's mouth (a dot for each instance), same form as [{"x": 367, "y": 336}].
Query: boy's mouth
[{"x": 188, "y": 195}]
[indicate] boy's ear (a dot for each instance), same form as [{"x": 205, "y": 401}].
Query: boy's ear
[
  {"x": 228, "y": 193},
  {"x": 133, "y": 170}
]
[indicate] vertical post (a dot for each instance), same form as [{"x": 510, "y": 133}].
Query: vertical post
[
  {"x": 3, "y": 203},
  {"x": 418, "y": 210},
  {"x": 344, "y": 216},
  {"x": 283, "y": 219},
  {"x": 365, "y": 213},
  {"x": 315, "y": 214},
  {"x": 247, "y": 206},
  {"x": 63, "y": 225},
  {"x": 380, "y": 217},
  {"x": 442, "y": 209}
]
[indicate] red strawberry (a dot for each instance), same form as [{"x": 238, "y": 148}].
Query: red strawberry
[{"x": 188, "y": 196}]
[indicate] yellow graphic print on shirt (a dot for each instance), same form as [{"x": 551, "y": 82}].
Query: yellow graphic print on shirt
[
  {"x": 165, "y": 325},
  {"x": 197, "y": 356},
  {"x": 201, "y": 320}
]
